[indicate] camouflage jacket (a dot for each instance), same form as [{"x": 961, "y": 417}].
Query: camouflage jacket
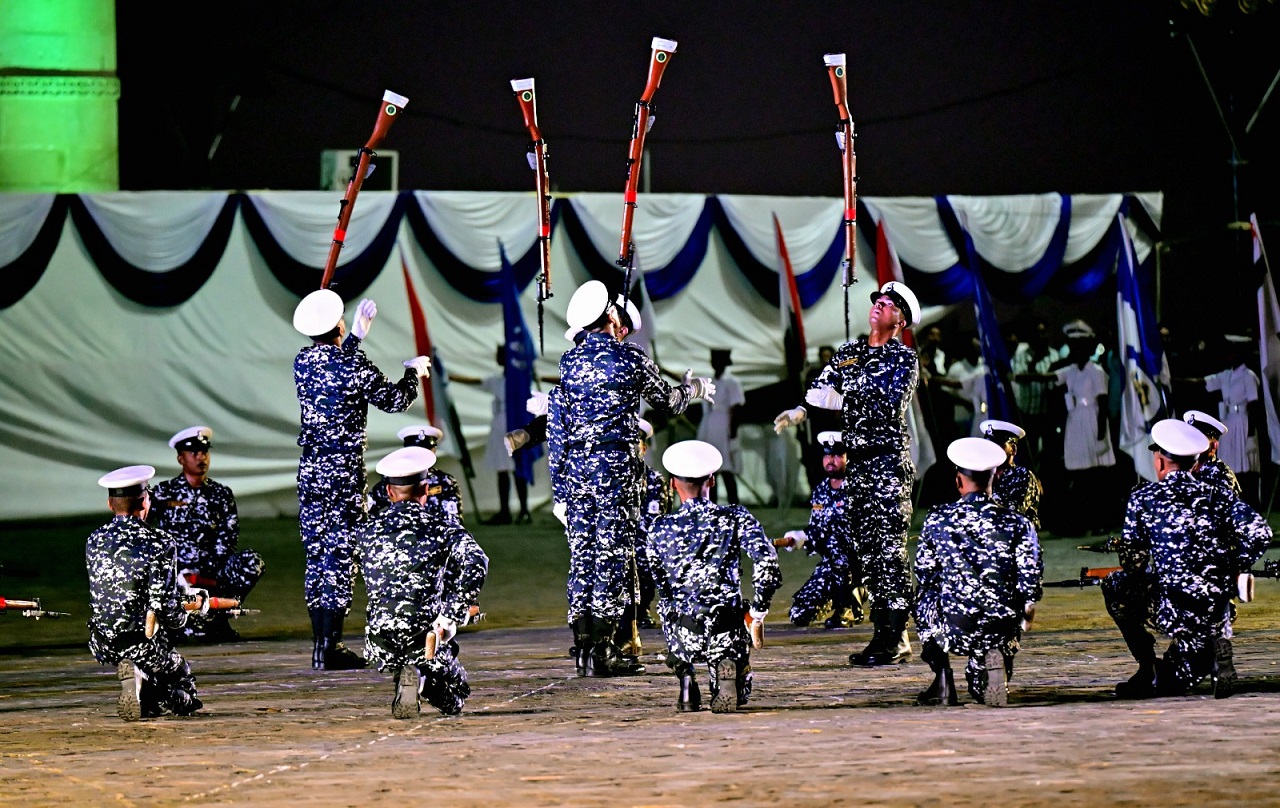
[
  {"x": 443, "y": 496},
  {"x": 131, "y": 571},
  {"x": 1018, "y": 488},
  {"x": 203, "y": 522},
  {"x": 1216, "y": 472},
  {"x": 336, "y": 385},
  {"x": 878, "y": 384},
  {"x": 697, "y": 551},
  {"x": 829, "y": 528}
]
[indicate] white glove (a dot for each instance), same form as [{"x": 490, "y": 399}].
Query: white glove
[
  {"x": 444, "y": 628},
  {"x": 561, "y": 510},
  {"x": 788, "y": 418},
  {"x": 798, "y": 538},
  {"x": 825, "y": 397},
  {"x": 537, "y": 403},
  {"x": 420, "y": 364},
  {"x": 700, "y": 387},
  {"x": 514, "y": 440},
  {"x": 1028, "y": 616},
  {"x": 757, "y": 617},
  {"x": 365, "y": 313}
]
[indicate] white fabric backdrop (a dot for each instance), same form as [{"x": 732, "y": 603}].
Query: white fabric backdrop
[{"x": 90, "y": 381}]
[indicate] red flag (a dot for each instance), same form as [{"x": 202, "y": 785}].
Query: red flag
[
  {"x": 789, "y": 306},
  {"x": 888, "y": 268},
  {"x": 421, "y": 337}
]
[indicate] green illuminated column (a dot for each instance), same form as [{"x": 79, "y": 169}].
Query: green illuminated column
[{"x": 58, "y": 96}]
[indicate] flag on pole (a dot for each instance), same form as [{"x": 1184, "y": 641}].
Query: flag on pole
[
  {"x": 793, "y": 342},
  {"x": 1268, "y": 341},
  {"x": 1144, "y": 397},
  {"x": 436, "y": 397},
  {"x": 518, "y": 368}
]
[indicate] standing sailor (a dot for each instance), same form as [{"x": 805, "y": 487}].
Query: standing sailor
[
  {"x": 336, "y": 383},
  {"x": 873, "y": 380}
]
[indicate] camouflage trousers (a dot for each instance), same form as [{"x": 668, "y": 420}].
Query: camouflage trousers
[
  {"x": 444, "y": 680},
  {"x": 878, "y": 500},
  {"x": 1131, "y": 602},
  {"x": 708, "y": 639},
  {"x": 603, "y": 523},
  {"x": 170, "y": 685},
  {"x": 331, "y": 503},
  {"x": 831, "y": 581}
]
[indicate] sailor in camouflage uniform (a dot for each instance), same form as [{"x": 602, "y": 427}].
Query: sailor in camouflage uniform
[
  {"x": 873, "y": 381},
  {"x": 654, "y": 502},
  {"x": 443, "y": 495},
  {"x": 834, "y": 579},
  {"x": 132, "y": 572},
  {"x": 1015, "y": 486},
  {"x": 336, "y": 383},
  {"x": 697, "y": 551},
  {"x": 978, "y": 572},
  {"x": 1211, "y": 468},
  {"x": 421, "y": 573},
  {"x": 593, "y": 430},
  {"x": 1184, "y": 543},
  {"x": 200, "y": 513}
]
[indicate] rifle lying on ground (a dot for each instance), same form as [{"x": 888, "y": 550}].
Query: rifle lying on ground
[
  {"x": 28, "y": 608},
  {"x": 1089, "y": 576},
  {"x": 199, "y": 602}
]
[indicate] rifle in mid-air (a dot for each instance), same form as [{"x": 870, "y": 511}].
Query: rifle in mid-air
[
  {"x": 1089, "y": 576},
  {"x": 28, "y": 608}
]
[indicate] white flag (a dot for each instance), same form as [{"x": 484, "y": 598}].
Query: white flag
[
  {"x": 1268, "y": 342},
  {"x": 1146, "y": 366}
]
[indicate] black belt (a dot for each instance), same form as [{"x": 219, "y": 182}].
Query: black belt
[
  {"x": 860, "y": 453},
  {"x": 716, "y": 620}
]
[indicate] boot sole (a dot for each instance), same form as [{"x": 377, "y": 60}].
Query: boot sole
[
  {"x": 406, "y": 703},
  {"x": 129, "y": 707},
  {"x": 726, "y": 698},
  {"x": 1224, "y": 670},
  {"x": 997, "y": 694}
]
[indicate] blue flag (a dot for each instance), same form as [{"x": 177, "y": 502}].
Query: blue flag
[
  {"x": 1146, "y": 368},
  {"x": 1000, "y": 401},
  {"x": 519, "y": 367}
]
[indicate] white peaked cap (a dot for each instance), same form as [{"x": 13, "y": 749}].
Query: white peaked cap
[
  {"x": 903, "y": 297},
  {"x": 124, "y": 478},
  {"x": 645, "y": 427},
  {"x": 588, "y": 303},
  {"x": 1196, "y": 418},
  {"x": 1177, "y": 438},
  {"x": 829, "y": 437},
  {"x": 991, "y": 426},
  {"x": 406, "y": 466},
  {"x": 975, "y": 454},
  {"x": 196, "y": 434},
  {"x": 632, "y": 312},
  {"x": 692, "y": 459},
  {"x": 318, "y": 313},
  {"x": 420, "y": 431}
]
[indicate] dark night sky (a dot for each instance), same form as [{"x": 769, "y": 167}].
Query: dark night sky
[{"x": 948, "y": 97}]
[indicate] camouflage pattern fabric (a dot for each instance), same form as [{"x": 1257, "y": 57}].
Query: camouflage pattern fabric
[
  {"x": 443, "y": 496},
  {"x": 878, "y": 384},
  {"x": 131, "y": 571},
  {"x": 416, "y": 568},
  {"x": 1018, "y": 488},
  {"x": 1184, "y": 541},
  {"x": 1217, "y": 473},
  {"x": 977, "y": 567},
  {"x": 835, "y": 575},
  {"x": 335, "y": 386},
  {"x": 698, "y": 574},
  {"x": 593, "y": 429}
]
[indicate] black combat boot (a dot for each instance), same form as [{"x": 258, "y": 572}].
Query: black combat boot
[
  {"x": 894, "y": 647},
  {"x": 336, "y": 656},
  {"x": 1142, "y": 685},
  {"x": 690, "y": 700},
  {"x": 581, "y": 643},
  {"x": 1224, "y": 669},
  {"x": 605, "y": 658},
  {"x": 317, "y": 637},
  {"x": 876, "y": 645},
  {"x": 943, "y": 689},
  {"x": 129, "y": 705},
  {"x": 724, "y": 695}
]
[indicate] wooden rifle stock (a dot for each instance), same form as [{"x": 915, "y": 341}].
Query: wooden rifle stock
[
  {"x": 524, "y": 92},
  {"x": 662, "y": 49},
  {"x": 28, "y": 608},
  {"x": 392, "y": 103},
  {"x": 1089, "y": 576}
]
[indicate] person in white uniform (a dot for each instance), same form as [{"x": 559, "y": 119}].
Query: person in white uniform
[
  {"x": 1238, "y": 446},
  {"x": 719, "y": 426}
]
